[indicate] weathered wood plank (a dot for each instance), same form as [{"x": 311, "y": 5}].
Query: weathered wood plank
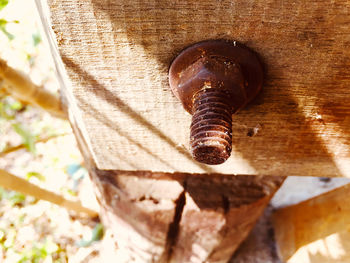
[
  {"x": 316, "y": 230},
  {"x": 117, "y": 54}
]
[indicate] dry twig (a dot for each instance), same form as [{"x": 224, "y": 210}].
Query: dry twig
[
  {"x": 18, "y": 184},
  {"x": 20, "y": 86}
]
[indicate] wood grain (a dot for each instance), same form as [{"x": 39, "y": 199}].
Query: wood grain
[{"x": 117, "y": 54}]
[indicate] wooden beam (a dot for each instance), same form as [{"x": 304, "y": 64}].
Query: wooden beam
[
  {"x": 117, "y": 53},
  {"x": 316, "y": 230}
]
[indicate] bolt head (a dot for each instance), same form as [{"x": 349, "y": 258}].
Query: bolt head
[{"x": 225, "y": 64}]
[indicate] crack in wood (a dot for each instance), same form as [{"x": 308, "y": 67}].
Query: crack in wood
[
  {"x": 174, "y": 227},
  {"x": 225, "y": 203}
]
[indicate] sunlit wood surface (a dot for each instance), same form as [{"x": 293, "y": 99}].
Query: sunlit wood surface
[{"x": 117, "y": 54}]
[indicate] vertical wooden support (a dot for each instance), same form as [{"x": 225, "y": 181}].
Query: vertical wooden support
[
  {"x": 218, "y": 215},
  {"x": 140, "y": 212},
  {"x": 163, "y": 217},
  {"x": 157, "y": 217}
]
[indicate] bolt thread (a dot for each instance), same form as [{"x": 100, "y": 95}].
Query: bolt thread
[{"x": 211, "y": 127}]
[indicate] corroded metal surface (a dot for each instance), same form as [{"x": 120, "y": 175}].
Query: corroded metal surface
[{"x": 214, "y": 79}]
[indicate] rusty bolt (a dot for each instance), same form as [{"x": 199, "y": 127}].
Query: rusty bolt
[{"x": 213, "y": 80}]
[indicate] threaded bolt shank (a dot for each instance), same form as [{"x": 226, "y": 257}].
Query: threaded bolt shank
[
  {"x": 211, "y": 128},
  {"x": 213, "y": 80}
]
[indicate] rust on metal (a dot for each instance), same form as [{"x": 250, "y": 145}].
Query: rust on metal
[{"x": 214, "y": 79}]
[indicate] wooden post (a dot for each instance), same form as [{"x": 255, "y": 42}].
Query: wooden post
[
  {"x": 316, "y": 230},
  {"x": 158, "y": 217},
  {"x": 218, "y": 215}
]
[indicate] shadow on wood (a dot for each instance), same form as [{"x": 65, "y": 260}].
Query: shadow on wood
[
  {"x": 117, "y": 55},
  {"x": 111, "y": 98}
]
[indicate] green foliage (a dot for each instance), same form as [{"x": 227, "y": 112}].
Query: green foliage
[
  {"x": 96, "y": 235},
  {"x": 9, "y": 107},
  {"x": 35, "y": 252},
  {"x": 27, "y": 137},
  {"x": 39, "y": 176},
  {"x": 5, "y": 113},
  {"x": 40, "y": 252},
  {"x": 3, "y": 3},
  {"x": 16, "y": 106},
  {"x": 14, "y": 198},
  {"x": 71, "y": 192},
  {"x": 2, "y": 235},
  {"x": 3, "y": 24},
  {"x": 36, "y": 37},
  {"x": 9, "y": 238}
]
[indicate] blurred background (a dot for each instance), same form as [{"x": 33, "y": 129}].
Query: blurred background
[{"x": 41, "y": 149}]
